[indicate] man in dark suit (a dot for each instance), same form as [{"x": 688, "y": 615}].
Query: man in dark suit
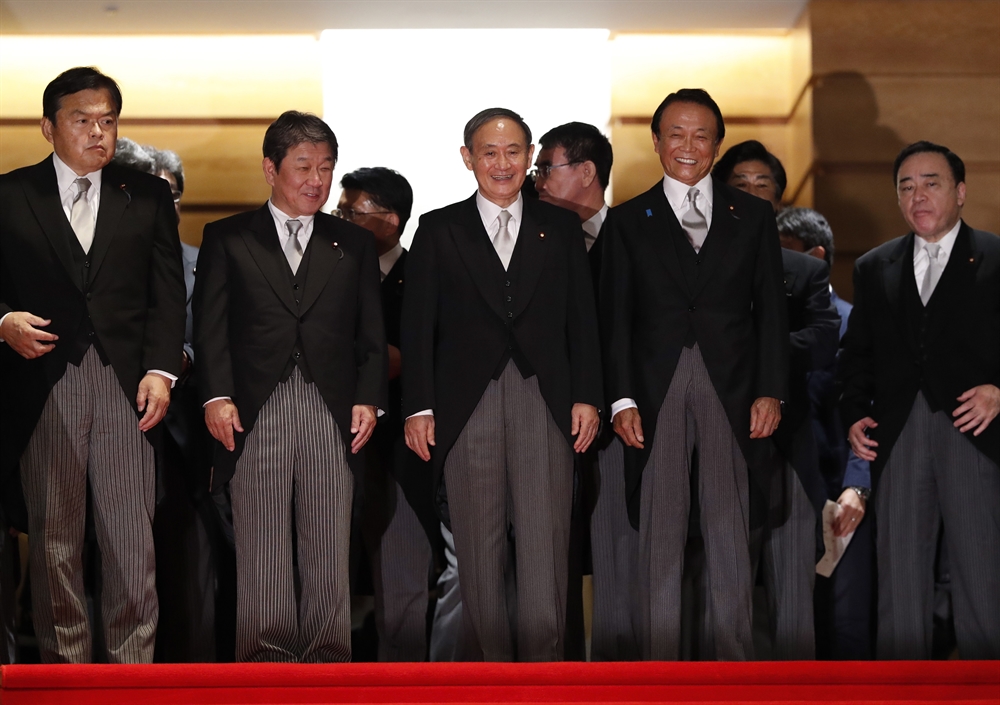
[
  {"x": 573, "y": 170},
  {"x": 921, "y": 368},
  {"x": 501, "y": 369},
  {"x": 398, "y": 515},
  {"x": 791, "y": 539},
  {"x": 92, "y": 309},
  {"x": 695, "y": 332},
  {"x": 291, "y": 364}
]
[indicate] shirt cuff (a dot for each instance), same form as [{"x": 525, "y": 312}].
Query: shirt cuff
[
  {"x": 621, "y": 405},
  {"x": 425, "y": 412},
  {"x": 2, "y": 318},
  {"x": 215, "y": 399},
  {"x": 172, "y": 378}
]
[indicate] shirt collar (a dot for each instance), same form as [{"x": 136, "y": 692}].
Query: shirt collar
[
  {"x": 387, "y": 261},
  {"x": 66, "y": 178},
  {"x": 490, "y": 211},
  {"x": 592, "y": 226},
  {"x": 280, "y": 218},
  {"x": 676, "y": 192},
  {"x": 947, "y": 243}
]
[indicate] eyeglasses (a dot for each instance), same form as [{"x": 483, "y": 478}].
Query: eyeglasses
[
  {"x": 351, "y": 215},
  {"x": 176, "y": 195},
  {"x": 543, "y": 170}
]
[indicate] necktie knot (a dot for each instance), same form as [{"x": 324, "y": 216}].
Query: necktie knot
[
  {"x": 504, "y": 218},
  {"x": 83, "y": 186},
  {"x": 933, "y": 249},
  {"x": 692, "y": 197}
]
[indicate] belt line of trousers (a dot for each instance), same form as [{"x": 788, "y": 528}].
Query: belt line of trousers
[
  {"x": 89, "y": 432},
  {"x": 293, "y": 467},
  {"x": 512, "y": 467}
]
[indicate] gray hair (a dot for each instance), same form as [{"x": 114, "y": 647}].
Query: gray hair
[
  {"x": 809, "y": 226},
  {"x": 484, "y": 116},
  {"x": 167, "y": 160},
  {"x": 133, "y": 155}
]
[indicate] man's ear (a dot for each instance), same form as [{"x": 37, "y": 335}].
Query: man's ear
[
  {"x": 819, "y": 252},
  {"x": 466, "y": 157},
  {"x": 47, "y": 128},
  {"x": 394, "y": 219},
  {"x": 270, "y": 171},
  {"x": 589, "y": 173}
]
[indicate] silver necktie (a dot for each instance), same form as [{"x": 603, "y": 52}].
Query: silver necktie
[
  {"x": 503, "y": 241},
  {"x": 933, "y": 273},
  {"x": 293, "y": 248},
  {"x": 694, "y": 222},
  {"x": 81, "y": 215}
]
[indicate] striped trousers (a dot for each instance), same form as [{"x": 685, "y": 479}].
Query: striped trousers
[
  {"x": 293, "y": 469},
  {"x": 692, "y": 416},
  {"x": 89, "y": 432},
  {"x": 934, "y": 477},
  {"x": 512, "y": 467}
]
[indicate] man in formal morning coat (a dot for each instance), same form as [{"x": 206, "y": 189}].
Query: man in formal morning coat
[
  {"x": 92, "y": 313},
  {"x": 695, "y": 333},
  {"x": 292, "y": 367},
  {"x": 501, "y": 370},
  {"x": 921, "y": 373}
]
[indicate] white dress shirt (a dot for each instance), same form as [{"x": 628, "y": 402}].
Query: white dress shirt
[
  {"x": 387, "y": 261},
  {"x": 490, "y": 213},
  {"x": 280, "y": 218},
  {"x": 676, "y": 194},
  {"x": 921, "y": 258},
  {"x": 592, "y": 226}
]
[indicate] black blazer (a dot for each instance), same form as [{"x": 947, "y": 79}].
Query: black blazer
[
  {"x": 737, "y": 312},
  {"x": 134, "y": 296},
  {"x": 246, "y": 325},
  {"x": 455, "y": 330},
  {"x": 885, "y": 361}
]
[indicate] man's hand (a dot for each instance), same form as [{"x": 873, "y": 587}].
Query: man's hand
[
  {"x": 222, "y": 419},
  {"x": 363, "y": 420},
  {"x": 765, "y": 414},
  {"x": 628, "y": 426},
  {"x": 586, "y": 420},
  {"x": 980, "y": 406},
  {"x": 860, "y": 443},
  {"x": 19, "y": 332},
  {"x": 852, "y": 511},
  {"x": 153, "y": 399},
  {"x": 419, "y": 431}
]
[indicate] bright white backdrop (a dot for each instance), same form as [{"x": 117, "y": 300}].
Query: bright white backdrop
[{"x": 401, "y": 98}]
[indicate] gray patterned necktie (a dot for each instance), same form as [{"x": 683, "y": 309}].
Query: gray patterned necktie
[
  {"x": 695, "y": 223},
  {"x": 933, "y": 273},
  {"x": 81, "y": 215},
  {"x": 293, "y": 248},
  {"x": 503, "y": 241}
]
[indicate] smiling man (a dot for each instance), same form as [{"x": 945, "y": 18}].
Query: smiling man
[
  {"x": 501, "y": 384},
  {"x": 92, "y": 314},
  {"x": 695, "y": 333},
  {"x": 921, "y": 369},
  {"x": 292, "y": 368}
]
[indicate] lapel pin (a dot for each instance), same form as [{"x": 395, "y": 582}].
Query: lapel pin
[
  {"x": 649, "y": 212},
  {"x": 336, "y": 244},
  {"x": 541, "y": 236},
  {"x": 972, "y": 259},
  {"x": 127, "y": 194}
]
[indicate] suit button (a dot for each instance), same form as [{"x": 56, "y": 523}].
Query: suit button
[
  {"x": 510, "y": 347},
  {"x": 507, "y": 283},
  {"x": 510, "y": 314},
  {"x": 295, "y": 286},
  {"x": 87, "y": 264},
  {"x": 90, "y": 334},
  {"x": 690, "y": 309},
  {"x": 88, "y": 297},
  {"x": 296, "y": 300},
  {"x": 297, "y": 355},
  {"x": 509, "y": 299},
  {"x": 698, "y": 261}
]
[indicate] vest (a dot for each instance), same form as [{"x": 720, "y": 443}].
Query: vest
[
  {"x": 507, "y": 285},
  {"x": 297, "y": 283},
  {"x": 85, "y": 336}
]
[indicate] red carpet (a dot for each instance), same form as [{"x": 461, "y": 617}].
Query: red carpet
[{"x": 194, "y": 684}]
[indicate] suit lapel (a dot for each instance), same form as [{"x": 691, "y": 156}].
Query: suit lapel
[
  {"x": 532, "y": 256},
  {"x": 324, "y": 257},
  {"x": 42, "y": 193},
  {"x": 893, "y": 274},
  {"x": 262, "y": 241},
  {"x": 958, "y": 275},
  {"x": 662, "y": 230},
  {"x": 476, "y": 251},
  {"x": 115, "y": 198},
  {"x": 724, "y": 230}
]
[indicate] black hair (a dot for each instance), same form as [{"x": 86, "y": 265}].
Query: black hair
[
  {"x": 809, "y": 227},
  {"x": 388, "y": 189},
  {"x": 750, "y": 151},
  {"x": 954, "y": 161},
  {"x": 484, "y": 116},
  {"x": 582, "y": 143},
  {"x": 293, "y": 128},
  {"x": 74, "y": 80},
  {"x": 699, "y": 96}
]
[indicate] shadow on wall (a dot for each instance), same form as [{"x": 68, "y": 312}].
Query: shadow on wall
[{"x": 854, "y": 156}]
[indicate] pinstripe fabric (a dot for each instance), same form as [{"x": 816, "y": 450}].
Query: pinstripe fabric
[
  {"x": 614, "y": 546},
  {"x": 512, "y": 466},
  {"x": 788, "y": 562},
  {"x": 935, "y": 476},
  {"x": 691, "y": 416},
  {"x": 401, "y": 561},
  {"x": 293, "y": 466},
  {"x": 87, "y": 422}
]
